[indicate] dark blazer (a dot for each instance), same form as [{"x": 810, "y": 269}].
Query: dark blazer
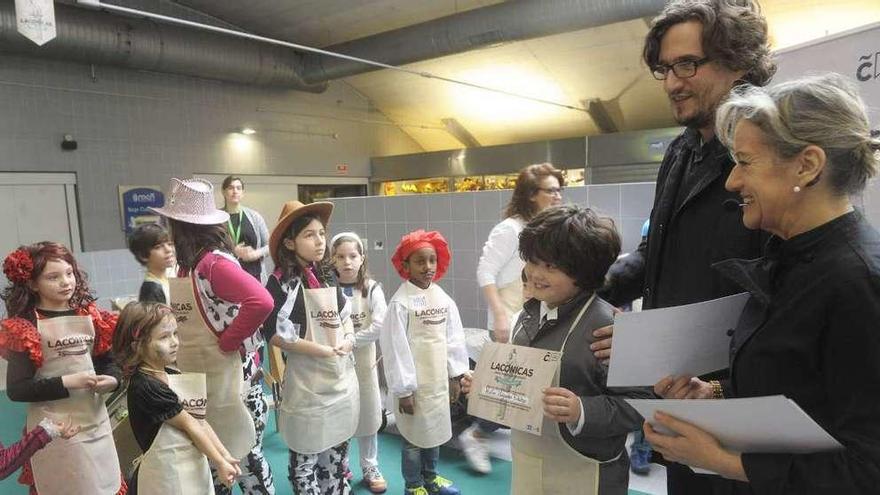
[
  {"x": 607, "y": 417},
  {"x": 811, "y": 332},
  {"x": 687, "y": 234}
]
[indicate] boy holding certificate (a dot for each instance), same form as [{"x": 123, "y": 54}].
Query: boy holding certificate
[{"x": 567, "y": 250}]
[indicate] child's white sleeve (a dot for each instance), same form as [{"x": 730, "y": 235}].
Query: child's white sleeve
[
  {"x": 456, "y": 350},
  {"x": 400, "y": 369},
  {"x": 377, "y": 309}
]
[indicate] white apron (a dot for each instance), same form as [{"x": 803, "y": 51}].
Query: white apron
[
  {"x": 86, "y": 463},
  {"x": 366, "y": 367},
  {"x": 173, "y": 465},
  {"x": 199, "y": 352},
  {"x": 427, "y": 315},
  {"x": 545, "y": 464},
  {"x": 321, "y": 401},
  {"x": 511, "y": 296}
]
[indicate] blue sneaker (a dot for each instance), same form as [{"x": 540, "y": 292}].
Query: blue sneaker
[
  {"x": 640, "y": 459},
  {"x": 441, "y": 486}
]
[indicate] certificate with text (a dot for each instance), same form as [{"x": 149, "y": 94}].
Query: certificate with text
[{"x": 508, "y": 383}]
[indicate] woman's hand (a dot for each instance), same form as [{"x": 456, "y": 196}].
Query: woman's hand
[
  {"x": 245, "y": 253},
  {"x": 501, "y": 326},
  {"x": 104, "y": 384},
  {"x": 562, "y": 405},
  {"x": 467, "y": 380},
  {"x": 683, "y": 387},
  {"x": 79, "y": 381},
  {"x": 693, "y": 447},
  {"x": 407, "y": 405}
]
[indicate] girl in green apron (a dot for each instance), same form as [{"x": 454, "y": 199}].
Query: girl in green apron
[
  {"x": 166, "y": 409},
  {"x": 367, "y": 312},
  {"x": 310, "y": 323},
  {"x": 57, "y": 343}
]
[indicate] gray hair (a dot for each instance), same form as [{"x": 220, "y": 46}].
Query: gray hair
[{"x": 821, "y": 110}]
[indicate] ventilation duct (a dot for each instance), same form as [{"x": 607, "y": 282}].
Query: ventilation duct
[
  {"x": 479, "y": 28},
  {"x": 95, "y": 37}
]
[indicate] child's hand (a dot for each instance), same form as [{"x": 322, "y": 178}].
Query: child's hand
[
  {"x": 104, "y": 384},
  {"x": 455, "y": 388},
  {"x": 407, "y": 405},
  {"x": 79, "y": 381},
  {"x": 467, "y": 380},
  {"x": 344, "y": 348},
  {"x": 226, "y": 473},
  {"x": 562, "y": 405},
  {"x": 67, "y": 428},
  {"x": 235, "y": 463},
  {"x": 326, "y": 351}
]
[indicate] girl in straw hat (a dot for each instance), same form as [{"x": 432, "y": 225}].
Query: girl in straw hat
[
  {"x": 219, "y": 308},
  {"x": 311, "y": 323}
]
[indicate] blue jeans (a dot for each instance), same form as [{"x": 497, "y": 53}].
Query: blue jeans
[{"x": 418, "y": 464}]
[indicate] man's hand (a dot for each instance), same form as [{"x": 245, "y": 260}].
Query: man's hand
[{"x": 602, "y": 346}]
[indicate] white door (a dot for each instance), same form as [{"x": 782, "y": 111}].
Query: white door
[{"x": 38, "y": 207}]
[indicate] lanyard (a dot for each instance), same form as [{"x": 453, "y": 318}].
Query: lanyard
[{"x": 233, "y": 231}]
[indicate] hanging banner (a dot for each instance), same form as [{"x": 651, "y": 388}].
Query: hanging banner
[{"x": 35, "y": 20}]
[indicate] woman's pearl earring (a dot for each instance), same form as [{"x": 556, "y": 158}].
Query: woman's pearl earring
[{"x": 796, "y": 189}]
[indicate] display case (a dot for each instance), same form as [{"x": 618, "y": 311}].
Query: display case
[{"x": 467, "y": 183}]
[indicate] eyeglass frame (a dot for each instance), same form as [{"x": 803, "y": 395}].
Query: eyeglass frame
[
  {"x": 683, "y": 63},
  {"x": 552, "y": 190}
]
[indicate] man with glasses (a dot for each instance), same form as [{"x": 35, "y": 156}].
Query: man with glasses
[{"x": 698, "y": 50}]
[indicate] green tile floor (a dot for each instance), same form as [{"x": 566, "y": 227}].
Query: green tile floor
[{"x": 452, "y": 464}]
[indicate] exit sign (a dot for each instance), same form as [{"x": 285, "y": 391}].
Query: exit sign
[{"x": 342, "y": 169}]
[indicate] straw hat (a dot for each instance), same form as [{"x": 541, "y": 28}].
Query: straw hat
[
  {"x": 290, "y": 212},
  {"x": 192, "y": 201}
]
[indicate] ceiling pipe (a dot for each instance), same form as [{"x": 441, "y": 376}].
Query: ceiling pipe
[
  {"x": 504, "y": 22},
  {"x": 95, "y": 37}
]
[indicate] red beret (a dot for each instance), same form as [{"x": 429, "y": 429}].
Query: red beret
[{"x": 417, "y": 240}]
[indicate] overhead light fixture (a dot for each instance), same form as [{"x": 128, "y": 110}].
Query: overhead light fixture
[{"x": 247, "y": 131}]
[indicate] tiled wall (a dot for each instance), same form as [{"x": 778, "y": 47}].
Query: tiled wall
[{"x": 466, "y": 219}]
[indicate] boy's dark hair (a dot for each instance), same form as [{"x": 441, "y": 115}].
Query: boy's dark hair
[
  {"x": 144, "y": 238},
  {"x": 576, "y": 240}
]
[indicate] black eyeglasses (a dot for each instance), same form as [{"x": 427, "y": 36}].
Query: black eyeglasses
[
  {"x": 551, "y": 190},
  {"x": 682, "y": 70}
]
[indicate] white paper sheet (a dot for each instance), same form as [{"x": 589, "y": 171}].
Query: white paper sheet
[
  {"x": 691, "y": 339},
  {"x": 772, "y": 424}
]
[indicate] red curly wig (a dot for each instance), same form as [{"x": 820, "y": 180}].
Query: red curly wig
[{"x": 20, "y": 299}]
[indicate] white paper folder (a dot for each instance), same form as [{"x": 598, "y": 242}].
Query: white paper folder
[
  {"x": 692, "y": 339},
  {"x": 773, "y": 424}
]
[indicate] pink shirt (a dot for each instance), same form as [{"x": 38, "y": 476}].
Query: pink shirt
[{"x": 237, "y": 298}]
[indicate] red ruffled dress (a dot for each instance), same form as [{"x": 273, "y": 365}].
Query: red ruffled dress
[{"x": 20, "y": 335}]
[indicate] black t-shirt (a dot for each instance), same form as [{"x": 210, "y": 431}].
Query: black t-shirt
[
  {"x": 150, "y": 403},
  {"x": 248, "y": 236}
]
